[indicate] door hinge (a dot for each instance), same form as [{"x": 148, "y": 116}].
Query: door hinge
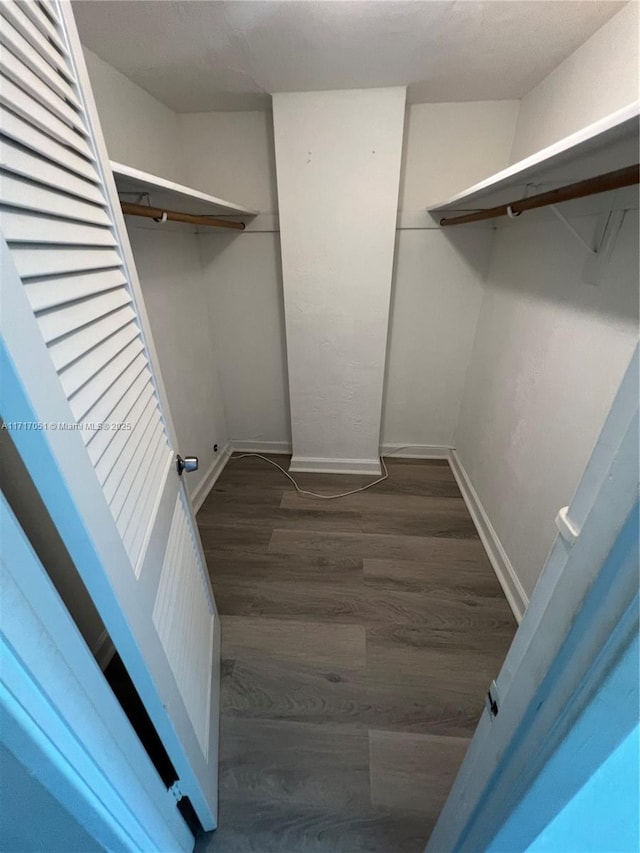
[
  {"x": 491, "y": 700},
  {"x": 176, "y": 791},
  {"x": 566, "y": 527}
]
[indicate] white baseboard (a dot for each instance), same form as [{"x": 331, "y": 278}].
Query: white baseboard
[
  {"x": 103, "y": 650},
  {"x": 250, "y": 446},
  {"x": 206, "y": 483},
  {"x": 512, "y": 588},
  {"x": 321, "y": 465},
  {"x": 415, "y": 451},
  {"x": 232, "y": 446}
]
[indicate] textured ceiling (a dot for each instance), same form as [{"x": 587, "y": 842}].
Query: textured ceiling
[{"x": 220, "y": 55}]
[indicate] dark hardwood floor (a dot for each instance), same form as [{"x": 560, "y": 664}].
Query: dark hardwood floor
[{"x": 358, "y": 639}]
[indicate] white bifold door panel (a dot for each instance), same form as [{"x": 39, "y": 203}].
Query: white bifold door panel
[{"x": 83, "y": 397}]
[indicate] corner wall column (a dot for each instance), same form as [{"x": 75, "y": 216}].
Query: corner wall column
[{"x": 338, "y": 160}]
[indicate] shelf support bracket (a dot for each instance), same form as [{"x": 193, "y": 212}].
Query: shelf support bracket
[
  {"x": 575, "y": 233},
  {"x": 608, "y": 229}
]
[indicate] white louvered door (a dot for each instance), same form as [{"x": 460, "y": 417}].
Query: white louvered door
[{"x": 82, "y": 395}]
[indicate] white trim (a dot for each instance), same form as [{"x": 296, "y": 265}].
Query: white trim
[
  {"x": 205, "y": 485},
  {"x": 602, "y": 712},
  {"x": 415, "y": 451},
  {"x": 568, "y": 639},
  {"x": 506, "y": 574},
  {"x": 251, "y": 446},
  {"x": 322, "y": 465},
  {"x": 62, "y": 721}
]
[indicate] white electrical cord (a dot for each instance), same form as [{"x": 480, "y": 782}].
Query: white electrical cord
[
  {"x": 315, "y": 494},
  {"x": 327, "y": 497}
]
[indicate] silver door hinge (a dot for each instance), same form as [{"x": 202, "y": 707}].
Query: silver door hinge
[
  {"x": 491, "y": 700},
  {"x": 176, "y": 791}
]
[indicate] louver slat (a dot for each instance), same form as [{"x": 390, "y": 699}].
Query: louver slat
[
  {"x": 89, "y": 394},
  {"x": 144, "y": 503},
  {"x": 22, "y": 161},
  {"x": 43, "y": 22},
  {"x": 62, "y": 225},
  {"x": 82, "y": 370},
  {"x": 20, "y": 193},
  {"x": 65, "y": 351},
  {"x": 140, "y": 498},
  {"x": 115, "y": 446},
  {"x": 39, "y": 261},
  {"x": 49, "y": 9},
  {"x": 28, "y": 227},
  {"x": 117, "y": 401},
  {"x": 49, "y": 293},
  {"x": 131, "y": 462},
  {"x": 121, "y": 451},
  {"x": 14, "y": 98},
  {"x": 115, "y": 406},
  {"x": 56, "y": 58},
  {"x": 15, "y": 70},
  {"x": 56, "y": 220},
  {"x": 20, "y": 47},
  {"x": 31, "y": 137},
  {"x": 54, "y": 324}
]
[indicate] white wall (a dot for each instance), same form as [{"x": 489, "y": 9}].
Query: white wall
[
  {"x": 549, "y": 355},
  {"x": 435, "y": 304},
  {"x": 244, "y": 289},
  {"x": 600, "y": 77},
  {"x": 338, "y": 160},
  {"x": 529, "y": 417},
  {"x": 449, "y": 147},
  {"x": 232, "y": 155},
  {"x": 438, "y": 275},
  {"x": 139, "y": 131},
  {"x": 173, "y": 285},
  {"x": 142, "y": 132},
  {"x": 437, "y": 278}
]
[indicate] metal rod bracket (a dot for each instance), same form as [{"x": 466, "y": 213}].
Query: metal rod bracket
[{"x": 575, "y": 233}]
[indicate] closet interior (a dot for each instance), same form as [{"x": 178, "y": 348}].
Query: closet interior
[
  {"x": 438, "y": 293},
  {"x": 507, "y": 338}
]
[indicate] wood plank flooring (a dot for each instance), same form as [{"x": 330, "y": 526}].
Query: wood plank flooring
[{"x": 358, "y": 639}]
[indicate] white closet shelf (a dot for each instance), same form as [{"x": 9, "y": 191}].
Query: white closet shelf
[
  {"x": 605, "y": 145},
  {"x": 167, "y": 194}
]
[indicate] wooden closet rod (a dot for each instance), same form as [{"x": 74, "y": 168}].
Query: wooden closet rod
[
  {"x": 131, "y": 209},
  {"x": 626, "y": 177}
]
